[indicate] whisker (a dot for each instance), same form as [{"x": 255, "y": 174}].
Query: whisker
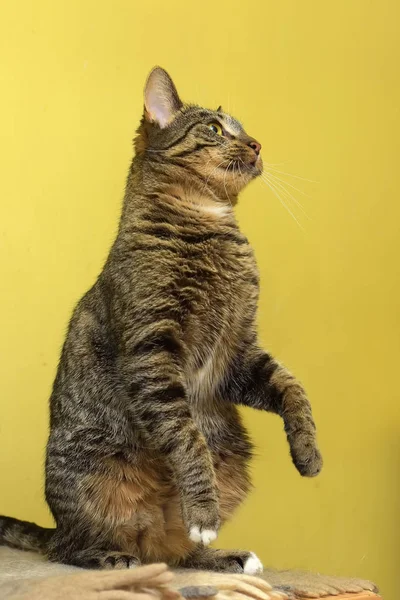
[
  {"x": 291, "y": 175},
  {"x": 286, "y": 183},
  {"x": 287, "y": 193},
  {"x": 276, "y": 193},
  {"x": 240, "y": 170},
  {"x": 236, "y": 166},
  {"x": 226, "y": 170},
  {"x": 212, "y": 172},
  {"x": 233, "y": 175}
]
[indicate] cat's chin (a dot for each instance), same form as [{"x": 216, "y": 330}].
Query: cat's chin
[
  {"x": 258, "y": 166},
  {"x": 254, "y": 170}
]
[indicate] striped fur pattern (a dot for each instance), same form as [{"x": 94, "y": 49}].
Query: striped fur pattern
[{"x": 147, "y": 454}]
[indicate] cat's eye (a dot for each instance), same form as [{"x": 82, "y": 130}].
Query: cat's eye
[{"x": 216, "y": 128}]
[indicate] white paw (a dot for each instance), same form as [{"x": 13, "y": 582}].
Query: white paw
[
  {"x": 253, "y": 565},
  {"x": 206, "y": 536}
]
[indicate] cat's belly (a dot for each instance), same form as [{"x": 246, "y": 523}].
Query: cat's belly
[
  {"x": 140, "y": 506},
  {"x": 214, "y": 339},
  {"x": 203, "y": 381}
]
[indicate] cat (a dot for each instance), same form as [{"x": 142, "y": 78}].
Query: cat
[{"x": 147, "y": 455}]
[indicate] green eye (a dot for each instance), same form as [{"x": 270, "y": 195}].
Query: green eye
[{"x": 216, "y": 128}]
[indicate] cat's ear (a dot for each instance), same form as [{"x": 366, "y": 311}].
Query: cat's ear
[
  {"x": 219, "y": 109},
  {"x": 161, "y": 100}
]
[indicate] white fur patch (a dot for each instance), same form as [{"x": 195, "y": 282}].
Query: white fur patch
[
  {"x": 253, "y": 565},
  {"x": 206, "y": 536},
  {"x": 220, "y": 210},
  {"x": 203, "y": 381}
]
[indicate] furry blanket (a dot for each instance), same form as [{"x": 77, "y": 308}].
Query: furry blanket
[{"x": 28, "y": 576}]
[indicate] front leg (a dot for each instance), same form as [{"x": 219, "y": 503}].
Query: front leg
[
  {"x": 255, "y": 379},
  {"x": 228, "y": 561},
  {"x": 158, "y": 403}
]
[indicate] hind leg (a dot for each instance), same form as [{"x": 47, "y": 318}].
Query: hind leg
[
  {"x": 90, "y": 501},
  {"x": 228, "y": 561},
  {"x": 82, "y": 543},
  {"x": 90, "y": 557}
]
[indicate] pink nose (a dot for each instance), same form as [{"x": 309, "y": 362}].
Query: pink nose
[{"x": 255, "y": 146}]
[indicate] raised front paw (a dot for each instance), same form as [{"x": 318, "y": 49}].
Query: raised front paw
[
  {"x": 202, "y": 522},
  {"x": 306, "y": 456}
]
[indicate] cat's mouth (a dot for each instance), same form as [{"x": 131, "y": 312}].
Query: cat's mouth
[
  {"x": 257, "y": 166},
  {"x": 253, "y": 167},
  {"x": 237, "y": 166}
]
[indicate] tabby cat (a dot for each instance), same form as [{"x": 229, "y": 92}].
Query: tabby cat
[{"x": 147, "y": 455}]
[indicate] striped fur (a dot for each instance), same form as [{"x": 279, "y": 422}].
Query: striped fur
[{"x": 147, "y": 455}]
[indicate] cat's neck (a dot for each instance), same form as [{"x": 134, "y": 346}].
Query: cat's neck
[{"x": 181, "y": 183}]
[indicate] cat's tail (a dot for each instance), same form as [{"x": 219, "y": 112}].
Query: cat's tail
[{"x": 24, "y": 535}]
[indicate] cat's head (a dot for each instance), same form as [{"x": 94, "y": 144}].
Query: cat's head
[{"x": 209, "y": 143}]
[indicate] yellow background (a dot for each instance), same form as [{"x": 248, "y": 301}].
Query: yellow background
[{"x": 317, "y": 83}]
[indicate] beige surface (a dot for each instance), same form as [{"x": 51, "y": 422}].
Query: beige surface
[{"x": 18, "y": 567}]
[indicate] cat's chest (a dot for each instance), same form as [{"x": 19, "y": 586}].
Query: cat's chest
[
  {"x": 223, "y": 318},
  {"x": 232, "y": 288}
]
